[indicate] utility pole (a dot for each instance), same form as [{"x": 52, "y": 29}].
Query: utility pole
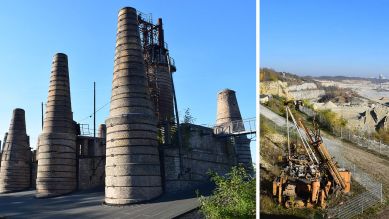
[{"x": 94, "y": 110}]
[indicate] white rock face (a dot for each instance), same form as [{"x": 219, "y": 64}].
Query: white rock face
[
  {"x": 307, "y": 94},
  {"x": 304, "y": 86}
]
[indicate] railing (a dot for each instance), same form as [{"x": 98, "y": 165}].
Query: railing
[
  {"x": 86, "y": 131},
  {"x": 148, "y": 17},
  {"x": 238, "y": 127}
]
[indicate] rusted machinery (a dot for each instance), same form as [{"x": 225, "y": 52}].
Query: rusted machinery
[{"x": 310, "y": 174}]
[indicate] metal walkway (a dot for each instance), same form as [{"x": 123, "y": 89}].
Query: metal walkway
[{"x": 236, "y": 128}]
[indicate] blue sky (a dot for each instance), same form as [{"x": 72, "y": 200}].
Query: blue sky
[
  {"x": 212, "y": 42},
  {"x": 325, "y": 37}
]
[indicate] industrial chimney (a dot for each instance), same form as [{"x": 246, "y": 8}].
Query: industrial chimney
[
  {"x": 56, "y": 173},
  {"x": 229, "y": 119},
  {"x": 16, "y": 157},
  {"x": 132, "y": 159}
]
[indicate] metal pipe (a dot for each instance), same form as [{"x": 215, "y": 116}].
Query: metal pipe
[
  {"x": 287, "y": 130},
  {"x": 305, "y": 144},
  {"x": 177, "y": 117}
]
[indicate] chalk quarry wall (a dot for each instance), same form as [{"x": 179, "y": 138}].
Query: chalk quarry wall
[{"x": 302, "y": 91}]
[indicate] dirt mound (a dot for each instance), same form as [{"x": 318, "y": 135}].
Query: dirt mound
[{"x": 329, "y": 105}]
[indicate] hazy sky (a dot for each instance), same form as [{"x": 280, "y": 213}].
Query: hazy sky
[
  {"x": 212, "y": 42},
  {"x": 325, "y": 37}
]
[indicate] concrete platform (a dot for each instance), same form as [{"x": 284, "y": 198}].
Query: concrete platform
[{"x": 89, "y": 204}]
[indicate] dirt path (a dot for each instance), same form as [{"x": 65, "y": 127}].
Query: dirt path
[{"x": 375, "y": 166}]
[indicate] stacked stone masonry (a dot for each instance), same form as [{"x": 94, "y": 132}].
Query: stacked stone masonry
[
  {"x": 227, "y": 107},
  {"x": 16, "y": 156},
  {"x": 201, "y": 153},
  {"x": 102, "y": 133},
  {"x": 228, "y": 114},
  {"x": 91, "y": 161},
  {"x": 132, "y": 159},
  {"x": 56, "y": 172},
  {"x": 164, "y": 93}
]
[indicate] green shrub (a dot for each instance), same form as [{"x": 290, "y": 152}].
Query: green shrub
[
  {"x": 268, "y": 74},
  {"x": 265, "y": 126},
  {"x": 307, "y": 104},
  {"x": 381, "y": 135},
  {"x": 276, "y": 104},
  {"x": 330, "y": 120},
  {"x": 233, "y": 197}
]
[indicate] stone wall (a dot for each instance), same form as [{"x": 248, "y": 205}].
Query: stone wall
[
  {"x": 34, "y": 167},
  {"x": 91, "y": 172},
  {"x": 91, "y": 162},
  {"x": 202, "y": 152}
]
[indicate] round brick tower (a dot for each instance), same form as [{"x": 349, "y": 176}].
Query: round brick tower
[
  {"x": 16, "y": 157},
  {"x": 132, "y": 159},
  {"x": 227, "y": 107},
  {"x": 102, "y": 133},
  {"x": 57, "y": 142},
  {"x": 229, "y": 119}
]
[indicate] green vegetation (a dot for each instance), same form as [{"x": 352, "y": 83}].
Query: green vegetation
[
  {"x": 188, "y": 118},
  {"x": 326, "y": 119},
  {"x": 186, "y": 128},
  {"x": 268, "y": 74},
  {"x": 307, "y": 104},
  {"x": 276, "y": 104},
  {"x": 270, "y": 209},
  {"x": 329, "y": 120},
  {"x": 270, "y": 151},
  {"x": 382, "y": 135},
  {"x": 265, "y": 127},
  {"x": 234, "y": 196}
]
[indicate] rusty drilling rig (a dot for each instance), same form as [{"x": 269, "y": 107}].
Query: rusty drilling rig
[{"x": 310, "y": 174}]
